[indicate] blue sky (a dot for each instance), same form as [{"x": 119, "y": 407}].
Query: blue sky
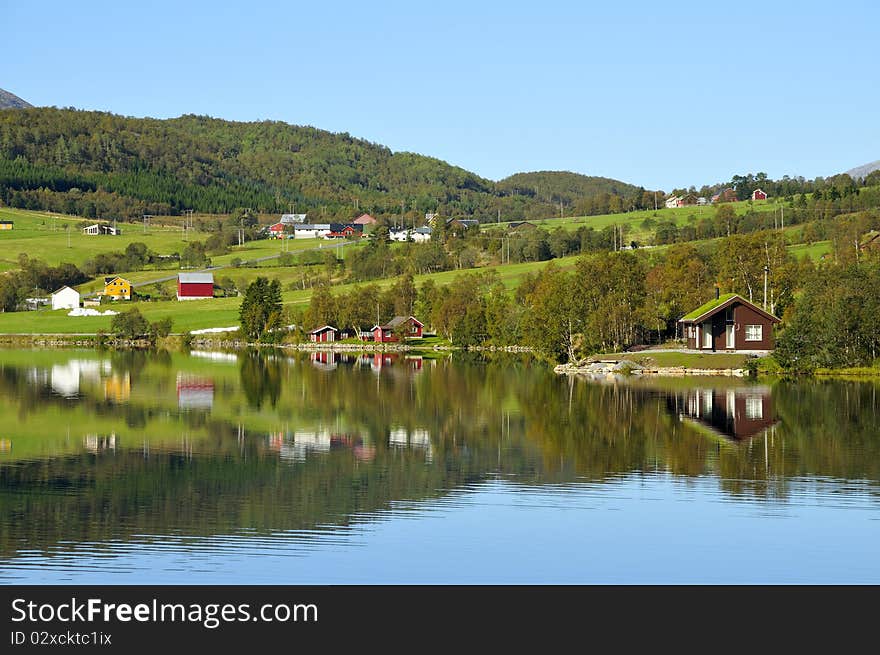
[{"x": 657, "y": 94}]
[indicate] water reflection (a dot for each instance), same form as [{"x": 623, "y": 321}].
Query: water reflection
[
  {"x": 736, "y": 414},
  {"x": 125, "y": 444}
]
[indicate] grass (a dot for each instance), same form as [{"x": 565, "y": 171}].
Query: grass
[
  {"x": 676, "y": 359},
  {"x": 813, "y": 251}
]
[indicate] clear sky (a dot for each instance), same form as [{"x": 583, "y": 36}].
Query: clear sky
[{"x": 661, "y": 94}]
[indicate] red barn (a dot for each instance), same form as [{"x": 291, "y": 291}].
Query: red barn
[
  {"x": 195, "y": 286},
  {"x": 277, "y": 230},
  {"x": 323, "y": 334},
  {"x": 758, "y": 194},
  {"x": 406, "y": 327}
]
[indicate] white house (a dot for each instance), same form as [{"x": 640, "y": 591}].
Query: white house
[
  {"x": 65, "y": 298},
  {"x": 310, "y": 230},
  {"x": 674, "y": 201},
  {"x": 419, "y": 235},
  {"x": 100, "y": 228}
]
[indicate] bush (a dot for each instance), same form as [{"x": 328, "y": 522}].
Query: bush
[
  {"x": 161, "y": 328},
  {"x": 130, "y": 324}
]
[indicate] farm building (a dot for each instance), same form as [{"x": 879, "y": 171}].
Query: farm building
[
  {"x": 117, "y": 288},
  {"x": 100, "y": 228},
  {"x": 278, "y": 230},
  {"x": 292, "y": 219},
  {"x": 195, "y": 286},
  {"x": 323, "y": 334},
  {"x": 521, "y": 225},
  {"x": 726, "y": 195},
  {"x": 419, "y": 235},
  {"x": 310, "y": 230},
  {"x": 462, "y": 223},
  {"x": 65, "y": 298},
  {"x": 758, "y": 194},
  {"x": 399, "y": 327},
  {"x": 364, "y": 219},
  {"x": 6, "y": 225},
  {"x": 674, "y": 201},
  {"x": 344, "y": 230},
  {"x": 729, "y": 323}
]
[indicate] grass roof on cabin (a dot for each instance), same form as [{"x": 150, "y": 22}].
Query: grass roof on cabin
[{"x": 709, "y": 306}]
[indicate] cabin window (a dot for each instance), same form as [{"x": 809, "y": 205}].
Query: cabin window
[
  {"x": 754, "y": 408},
  {"x": 728, "y": 315},
  {"x": 754, "y": 332}
]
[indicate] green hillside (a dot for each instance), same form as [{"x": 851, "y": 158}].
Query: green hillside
[{"x": 101, "y": 165}]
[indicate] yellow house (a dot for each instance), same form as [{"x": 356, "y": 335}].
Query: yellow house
[
  {"x": 6, "y": 225},
  {"x": 117, "y": 288}
]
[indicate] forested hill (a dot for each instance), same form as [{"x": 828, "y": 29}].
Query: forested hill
[
  {"x": 12, "y": 101},
  {"x": 102, "y": 165},
  {"x": 579, "y": 191}
]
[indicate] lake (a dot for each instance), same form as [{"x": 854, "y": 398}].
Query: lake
[{"x": 247, "y": 467}]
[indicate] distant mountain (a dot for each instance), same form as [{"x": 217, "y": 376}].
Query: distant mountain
[
  {"x": 864, "y": 170},
  {"x": 564, "y": 186},
  {"x": 11, "y": 101}
]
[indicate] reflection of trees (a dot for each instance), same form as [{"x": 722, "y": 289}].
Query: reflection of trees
[
  {"x": 503, "y": 416},
  {"x": 260, "y": 378}
]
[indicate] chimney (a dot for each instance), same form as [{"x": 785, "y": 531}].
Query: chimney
[{"x": 717, "y": 292}]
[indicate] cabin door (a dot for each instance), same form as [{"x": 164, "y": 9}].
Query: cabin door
[
  {"x": 731, "y": 339},
  {"x": 707, "y": 335}
]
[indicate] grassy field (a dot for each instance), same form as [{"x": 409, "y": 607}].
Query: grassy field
[
  {"x": 812, "y": 250},
  {"x": 633, "y": 221}
]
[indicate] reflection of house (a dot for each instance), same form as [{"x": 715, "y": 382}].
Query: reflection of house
[
  {"x": 118, "y": 387},
  {"x": 417, "y": 438},
  {"x": 117, "y": 288},
  {"x": 65, "y": 298},
  {"x": 399, "y": 327},
  {"x": 731, "y": 323},
  {"x": 194, "y": 392},
  {"x": 325, "y": 360},
  {"x": 96, "y": 443},
  {"x": 734, "y": 413},
  {"x": 65, "y": 378},
  {"x": 380, "y": 360}
]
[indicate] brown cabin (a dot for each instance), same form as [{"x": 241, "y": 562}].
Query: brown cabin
[{"x": 729, "y": 323}]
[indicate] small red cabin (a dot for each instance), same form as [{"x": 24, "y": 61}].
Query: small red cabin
[
  {"x": 323, "y": 334},
  {"x": 399, "y": 327},
  {"x": 758, "y": 194},
  {"x": 195, "y": 286}
]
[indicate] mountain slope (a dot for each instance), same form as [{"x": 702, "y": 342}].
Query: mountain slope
[
  {"x": 100, "y": 164},
  {"x": 864, "y": 170},
  {"x": 556, "y": 186},
  {"x": 12, "y": 101}
]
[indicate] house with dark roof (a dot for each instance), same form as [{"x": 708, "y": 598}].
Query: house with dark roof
[
  {"x": 462, "y": 223},
  {"x": 397, "y": 329},
  {"x": 520, "y": 225},
  {"x": 729, "y": 323}
]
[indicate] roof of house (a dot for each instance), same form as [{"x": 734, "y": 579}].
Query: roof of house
[
  {"x": 423, "y": 230},
  {"x": 62, "y": 289},
  {"x": 293, "y": 218},
  {"x": 467, "y": 222},
  {"x": 323, "y": 328},
  {"x": 364, "y": 219},
  {"x": 397, "y": 321},
  {"x": 311, "y": 226},
  {"x": 517, "y": 224},
  {"x": 108, "y": 279},
  {"x": 196, "y": 278},
  {"x": 717, "y": 304}
]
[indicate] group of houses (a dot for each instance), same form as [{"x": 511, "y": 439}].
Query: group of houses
[
  {"x": 190, "y": 286},
  {"x": 293, "y": 226},
  {"x": 724, "y": 195},
  {"x": 394, "y": 331}
]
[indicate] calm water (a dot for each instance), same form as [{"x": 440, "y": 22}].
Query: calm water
[{"x": 244, "y": 468}]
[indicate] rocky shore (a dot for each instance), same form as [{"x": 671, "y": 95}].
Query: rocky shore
[{"x": 627, "y": 367}]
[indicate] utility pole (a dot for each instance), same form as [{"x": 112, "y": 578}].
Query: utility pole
[
  {"x": 147, "y": 218},
  {"x": 68, "y": 236},
  {"x": 783, "y": 216}
]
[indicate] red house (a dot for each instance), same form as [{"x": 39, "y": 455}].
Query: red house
[
  {"x": 195, "y": 286},
  {"x": 343, "y": 231},
  {"x": 323, "y": 334},
  {"x": 399, "y": 327},
  {"x": 277, "y": 230},
  {"x": 758, "y": 194},
  {"x": 729, "y": 323}
]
